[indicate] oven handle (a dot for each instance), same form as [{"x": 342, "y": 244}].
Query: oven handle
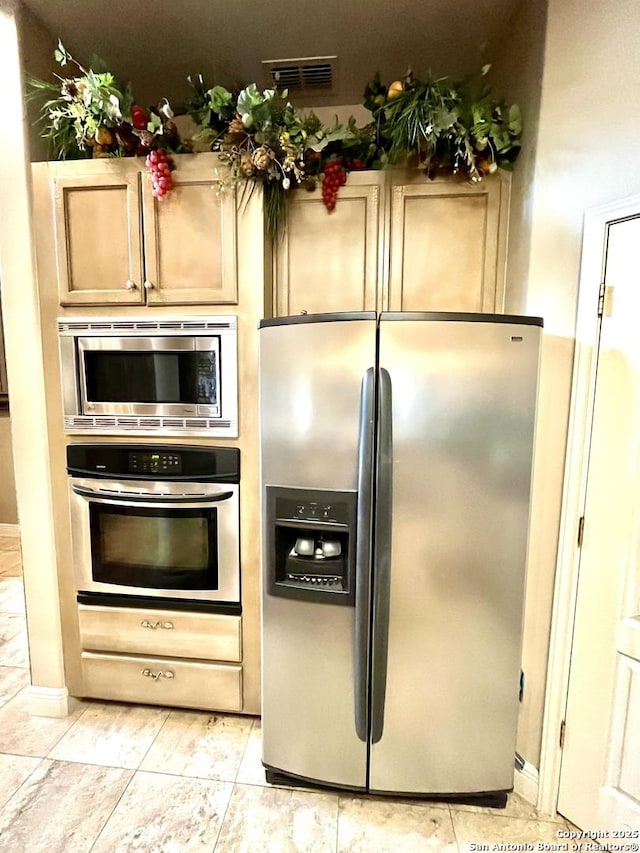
[{"x": 100, "y": 497}]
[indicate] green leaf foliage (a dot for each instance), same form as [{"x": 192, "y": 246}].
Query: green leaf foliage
[
  {"x": 89, "y": 113},
  {"x": 441, "y": 125},
  {"x": 445, "y": 126}
]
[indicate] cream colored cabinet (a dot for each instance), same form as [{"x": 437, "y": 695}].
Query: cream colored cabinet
[
  {"x": 174, "y": 658},
  {"x": 162, "y": 681},
  {"x": 447, "y": 244},
  {"x": 331, "y": 261},
  {"x": 396, "y": 241},
  {"x": 116, "y": 244}
]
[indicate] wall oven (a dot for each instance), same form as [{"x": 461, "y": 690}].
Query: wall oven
[
  {"x": 169, "y": 376},
  {"x": 156, "y": 525}
]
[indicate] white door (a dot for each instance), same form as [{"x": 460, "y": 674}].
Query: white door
[{"x": 600, "y": 774}]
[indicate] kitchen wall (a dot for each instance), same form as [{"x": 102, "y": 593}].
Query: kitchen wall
[
  {"x": 37, "y": 46},
  {"x": 33, "y": 40},
  {"x": 8, "y": 503},
  {"x": 8, "y": 506},
  {"x": 586, "y": 155},
  {"x": 25, "y": 371},
  {"x": 516, "y": 74},
  {"x": 587, "y": 141}
]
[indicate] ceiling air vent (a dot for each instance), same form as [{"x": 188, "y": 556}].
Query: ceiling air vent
[{"x": 308, "y": 74}]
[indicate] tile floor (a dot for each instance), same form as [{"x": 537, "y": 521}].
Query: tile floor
[{"x": 112, "y": 778}]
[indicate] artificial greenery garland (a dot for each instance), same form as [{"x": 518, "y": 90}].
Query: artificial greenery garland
[{"x": 441, "y": 126}]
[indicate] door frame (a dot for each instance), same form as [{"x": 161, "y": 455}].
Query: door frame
[{"x": 587, "y": 335}]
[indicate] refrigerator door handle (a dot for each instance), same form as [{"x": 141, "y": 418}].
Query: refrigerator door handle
[
  {"x": 363, "y": 550},
  {"x": 382, "y": 561}
]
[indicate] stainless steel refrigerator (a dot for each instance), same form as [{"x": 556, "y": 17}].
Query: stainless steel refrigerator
[{"x": 396, "y": 454}]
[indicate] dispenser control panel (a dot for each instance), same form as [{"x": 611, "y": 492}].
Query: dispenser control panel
[
  {"x": 313, "y": 510},
  {"x": 312, "y": 538}
]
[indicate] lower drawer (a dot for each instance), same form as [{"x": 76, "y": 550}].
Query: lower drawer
[
  {"x": 162, "y": 681},
  {"x": 180, "y": 634}
]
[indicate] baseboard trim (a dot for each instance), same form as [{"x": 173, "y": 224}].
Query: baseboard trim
[
  {"x": 49, "y": 701},
  {"x": 11, "y": 530},
  {"x": 526, "y": 781}
]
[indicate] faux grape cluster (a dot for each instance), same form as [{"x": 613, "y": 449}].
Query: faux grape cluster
[
  {"x": 334, "y": 178},
  {"x": 160, "y": 164}
]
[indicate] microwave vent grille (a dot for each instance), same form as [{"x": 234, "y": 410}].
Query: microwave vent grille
[
  {"x": 123, "y": 327},
  {"x": 187, "y": 324},
  {"x": 169, "y": 426},
  {"x": 145, "y": 326},
  {"x": 64, "y": 326}
]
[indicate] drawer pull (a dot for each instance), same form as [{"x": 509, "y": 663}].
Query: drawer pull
[
  {"x": 146, "y": 624},
  {"x": 149, "y": 673}
]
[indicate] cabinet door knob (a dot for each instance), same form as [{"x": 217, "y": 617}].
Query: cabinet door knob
[
  {"x": 149, "y": 284},
  {"x": 130, "y": 285}
]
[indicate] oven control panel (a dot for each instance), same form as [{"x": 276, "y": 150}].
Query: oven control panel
[
  {"x": 179, "y": 462},
  {"x": 155, "y": 463}
]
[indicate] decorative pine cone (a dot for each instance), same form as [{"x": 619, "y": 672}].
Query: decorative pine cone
[
  {"x": 104, "y": 136},
  {"x": 170, "y": 129},
  {"x": 236, "y": 126},
  {"x": 262, "y": 158},
  {"x": 246, "y": 164},
  {"x": 146, "y": 138}
]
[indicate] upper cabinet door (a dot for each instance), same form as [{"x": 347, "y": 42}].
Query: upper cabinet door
[
  {"x": 330, "y": 261},
  {"x": 190, "y": 240},
  {"x": 97, "y": 236},
  {"x": 448, "y": 244}
]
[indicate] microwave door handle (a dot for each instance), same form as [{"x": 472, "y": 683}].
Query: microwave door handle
[{"x": 153, "y": 499}]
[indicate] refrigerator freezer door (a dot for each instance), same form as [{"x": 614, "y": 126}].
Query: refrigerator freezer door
[
  {"x": 311, "y": 382},
  {"x": 463, "y": 411}
]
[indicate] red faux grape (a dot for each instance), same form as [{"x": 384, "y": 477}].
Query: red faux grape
[
  {"x": 333, "y": 178},
  {"x": 159, "y": 164}
]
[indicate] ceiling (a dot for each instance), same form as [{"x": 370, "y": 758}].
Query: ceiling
[{"x": 157, "y": 44}]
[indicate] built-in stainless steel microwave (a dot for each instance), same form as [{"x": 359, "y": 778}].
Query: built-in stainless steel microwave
[{"x": 163, "y": 376}]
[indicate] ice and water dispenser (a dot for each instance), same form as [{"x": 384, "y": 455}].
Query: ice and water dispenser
[{"x": 311, "y": 544}]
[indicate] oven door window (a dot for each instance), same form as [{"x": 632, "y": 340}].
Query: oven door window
[
  {"x": 189, "y": 377},
  {"x": 171, "y": 549}
]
